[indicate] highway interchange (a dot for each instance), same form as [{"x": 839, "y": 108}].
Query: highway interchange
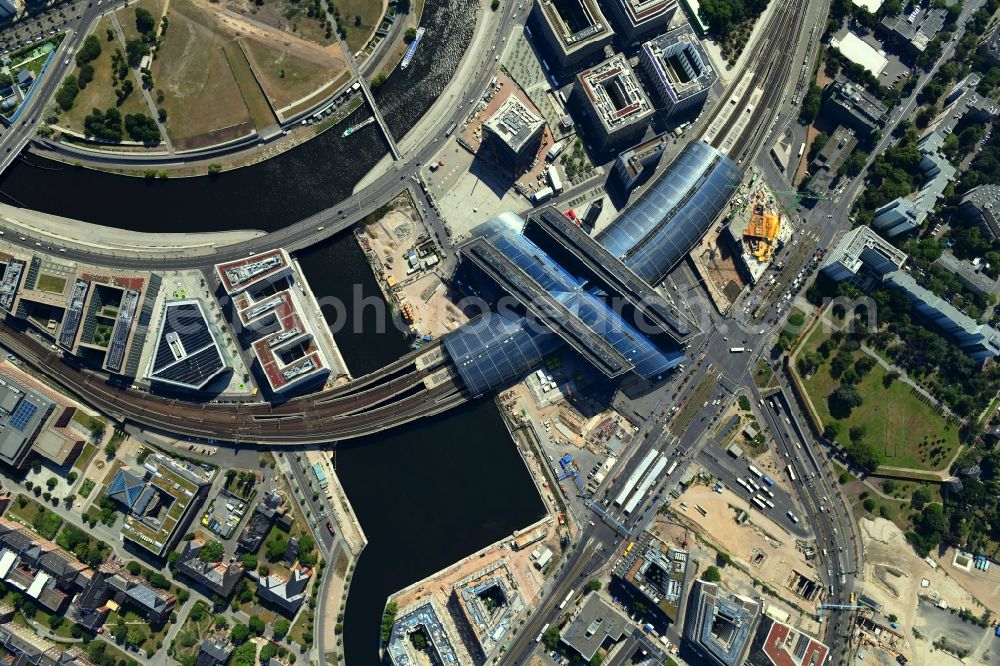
[{"x": 825, "y": 509}]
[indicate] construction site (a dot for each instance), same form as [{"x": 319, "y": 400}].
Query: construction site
[{"x": 739, "y": 250}]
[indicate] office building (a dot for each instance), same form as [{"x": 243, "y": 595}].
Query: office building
[
  {"x": 914, "y": 30},
  {"x": 656, "y": 571},
  {"x": 679, "y": 69},
  {"x": 613, "y": 102},
  {"x": 981, "y": 204},
  {"x": 158, "y": 502},
  {"x": 636, "y": 164},
  {"x": 778, "y": 644},
  {"x": 514, "y": 133},
  {"x": 597, "y": 625},
  {"x": 575, "y": 30},
  {"x": 187, "y": 355},
  {"x": 719, "y": 626},
  {"x": 24, "y": 414},
  {"x": 276, "y": 321},
  {"x": 861, "y": 253},
  {"x": 635, "y": 19},
  {"x": 849, "y": 104},
  {"x": 826, "y": 165}
]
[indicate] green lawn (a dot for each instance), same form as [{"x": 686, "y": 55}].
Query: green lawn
[
  {"x": 35, "y": 516},
  {"x": 907, "y": 430},
  {"x": 192, "y": 633},
  {"x": 51, "y": 283},
  {"x": 359, "y": 31}
]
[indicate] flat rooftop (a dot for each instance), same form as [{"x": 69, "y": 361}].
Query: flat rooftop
[
  {"x": 643, "y": 12},
  {"x": 861, "y": 53},
  {"x": 680, "y": 63},
  {"x": 187, "y": 354},
  {"x": 575, "y": 22},
  {"x": 919, "y": 26},
  {"x": 239, "y": 275},
  {"x": 514, "y": 123},
  {"x": 614, "y": 93}
]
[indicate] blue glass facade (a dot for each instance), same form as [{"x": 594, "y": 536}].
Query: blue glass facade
[
  {"x": 669, "y": 218},
  {"x": 497, "y": 348}
]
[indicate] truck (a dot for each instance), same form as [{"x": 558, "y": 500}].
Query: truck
[
  {"x": 554, "y": 181},
  {"x": 541, "y": 195},
  {"x": 555, "y": 150}
]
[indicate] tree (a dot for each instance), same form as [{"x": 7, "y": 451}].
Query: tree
[
  {"x": 198, "y": 611},
  {"x": 857, "y": 433},
  {"x": 239, "y": 633},
  {"x": 409, "y": 35},
  {"x": 495, "y": 5},
  {"x": 90, "y": 50},
  {"x": 712, "y": 575},
  {"x": 593, "y": 585},
  {"x": 306, "y": 553},
  {"x": 134, "y": 568},
  {"x": 831, "y": 430},
  {"x": 135, "y": 636},
  {"x": 161, "y": 113},
  {"x": 551, "y": 638},
  {"x": 67, "y": 93},
  {"x": 135, "y": 49},
  {"x": 86, "y": 75},
  {"x": 244, "y": 655},
  {"x": 257, "y": 626},
  {"x": 281, "y": 627},
  {"x": 267, "y": 652},
  {"x": 418, "y": 640},
  {"x": 843, "y": 400},
  {"x": 276, "y": 547},
  {"x": 211, "y": 551},
  {"x": 920, "y": 498},
  {"x": 158, "y": 580},
  {"x": 144, "y": 21},
  {"x": 142, "y": 128},
  {"x": 52, "y": 482},
  {"x": 869, "y": 505},
  {"x": 249, "y": 561}
]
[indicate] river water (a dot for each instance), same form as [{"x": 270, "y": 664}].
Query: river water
[
  {"x": 268, "y": 195},
  {"x": 427, "y": 494}
]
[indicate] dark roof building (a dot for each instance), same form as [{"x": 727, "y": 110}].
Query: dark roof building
[
  {"x": 849, "y": 104},
  {"x": 917, "y": 28},
  {"x": 214, "y": 652},
  {"x": 635, "y": 19},
  {"x": 826, "y": 165},
  {"x": 187, "y": 355},
  {"x": 257, "y": 528},
  {"x": 220, "y": 577},
  {"x": 656, "y": 571},
  {"x": 637, "y": 163},
  {"x": 981, "y": 204},
  {"x": 777, "y": 644},
  {"x": 967, "y": 273},
  {"x": 514, "y": 133},
  {"x": 595, "y": 624},
  {"x": 43, "y": 570},
  {"x": 26, "y": 647},
  {"x": 24, "y": 414}
]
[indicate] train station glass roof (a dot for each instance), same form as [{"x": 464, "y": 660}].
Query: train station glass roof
[{"x": 669, "y": 218}]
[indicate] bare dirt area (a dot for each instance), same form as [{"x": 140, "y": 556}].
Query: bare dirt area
[
  {"x": 911, "y": 589},
  {"x": 203, "y": 101},
  {"x": 286, "y": 16},
  {"x": 758, "y": 544},
  {"x": 289, "y": 71}
]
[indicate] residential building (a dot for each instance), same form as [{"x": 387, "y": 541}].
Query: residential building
[
  {"x": 636, "y": 164},
  {"x": 862, "y": 248},
  {"x": 849, "y": 104},
  {"x": 9, "y": 9},
  {"x": 214, "y": 652},
  {"x": 613, "y": 102},
  {"x": 219, "y": 577},
  {"x": 915, "y": 30},
  {"x": 263, "y": 518},
  {"x": 635, "y": 19},
  {"x": 679, "y": 68},
  {"x": 485, "y": 604},
  {"x": 981, "y": 204},
  {"x": 138, "y": 595},
  {"x": 514, "y": 133},
  {"x": 906, "y": 214},
  {"x": 42, "y": 570},
  {"x": 425, "y": 618},
  {"x": 968, "y": 273},
  {"x": 26, "y": 647},
  {"x": 596, "y": 625},
  {"x": 287, "y": 593},
  {"x": 980, "y": 341},
  {"x": 574, "y": 30},
  {"x": 719, "y": 626},
  {"x": 826, "y": 165},
  {"x": 159, "y": 503}
]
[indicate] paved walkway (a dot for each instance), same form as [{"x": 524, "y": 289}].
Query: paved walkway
[{"x": 142, "y": 89}]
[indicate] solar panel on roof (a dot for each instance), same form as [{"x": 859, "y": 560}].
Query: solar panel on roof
[{"x": 22, "y": 415}]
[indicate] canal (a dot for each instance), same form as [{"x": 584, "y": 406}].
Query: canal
[{"x": 427, "y": 494}]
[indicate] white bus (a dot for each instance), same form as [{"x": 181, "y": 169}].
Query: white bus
[
  {"x": 743, "y": 483},
  {"x": 759, "y": 502},
  {"x": 673, "y": 466},
  {"x": 736, "y": 350},
  {"x": 792, "y": 517},
  {"x": 756, "y": 472},
  {"x": 791, "y": 473},
  {"x": 566, "y": 600},
  {"x": 538, "y": 639},
  {"x": 769, "y": 503}
]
